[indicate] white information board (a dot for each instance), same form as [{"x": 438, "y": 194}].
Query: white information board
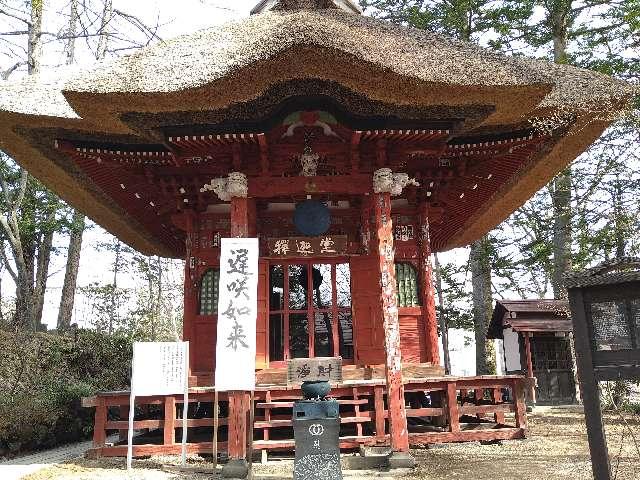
[
  {"x": 159, "y": 368},
  {"x": 237, "y": 315}
]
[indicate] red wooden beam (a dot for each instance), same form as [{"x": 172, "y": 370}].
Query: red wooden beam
[
  {"x": 356, "y": 184},
  {"x": 389, "y": 304},
  {"x": 264, "y": 154},
  {"x": 381, "y": 153},
  {"x": 427, "y": 291},
  {"x": 355, "y": 151}
]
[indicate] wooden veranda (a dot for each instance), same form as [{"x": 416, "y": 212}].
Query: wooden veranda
[{"x": 439, "y": 410}]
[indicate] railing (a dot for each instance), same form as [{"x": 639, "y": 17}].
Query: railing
[{"x": 362, "y": 409}]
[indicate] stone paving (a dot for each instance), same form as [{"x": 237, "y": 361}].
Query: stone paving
[{"x": 17, "y": 468}]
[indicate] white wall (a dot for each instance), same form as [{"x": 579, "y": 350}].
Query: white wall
[{"x": 511, "y": 350}]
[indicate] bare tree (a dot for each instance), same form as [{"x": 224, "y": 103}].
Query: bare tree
[{"x": 31, "y": 215}]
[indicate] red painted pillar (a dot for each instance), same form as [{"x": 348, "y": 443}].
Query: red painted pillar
[
  {"x": 527, "y": 349},
  {"x": 427, "y": 292},
  {"x": 242, "y": 214},
  {"x": 389, "y": 301}
]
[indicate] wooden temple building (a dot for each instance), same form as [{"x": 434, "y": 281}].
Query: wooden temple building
[
  {"x": 536, "y": 341},
  {"x": 353, "y": 149}
]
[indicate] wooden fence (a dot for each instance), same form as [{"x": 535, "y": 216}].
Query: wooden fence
[{"x": 462, "y": 409}]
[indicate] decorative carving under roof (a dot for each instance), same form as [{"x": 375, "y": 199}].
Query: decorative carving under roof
[
  {"x": 284, "y": 5},
  {"x": 235, "y": 185},
  {"x": 384, "y": 180}
]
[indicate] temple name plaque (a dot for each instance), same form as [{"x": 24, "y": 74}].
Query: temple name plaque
[{"x": 296, "y": 247}]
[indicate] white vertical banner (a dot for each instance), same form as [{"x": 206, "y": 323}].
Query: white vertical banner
[
  {"x": 237, "y": 315},
  {"x": 159, "y": 368}
]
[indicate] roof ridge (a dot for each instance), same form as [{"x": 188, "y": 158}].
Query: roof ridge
[{"x": 292, "y": 5}]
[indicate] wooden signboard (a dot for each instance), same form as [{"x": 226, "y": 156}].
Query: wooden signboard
[
  {"x": 605, "y": 310},
  {"x": 317, "y": 369},
  {"x": 295, "y": 247},
  {"x": 158, "y": 368}
]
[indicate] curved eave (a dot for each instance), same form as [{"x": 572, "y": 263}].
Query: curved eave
[
  {"x": 585, "y": 131},
  {"x": 70, "y": 187}
]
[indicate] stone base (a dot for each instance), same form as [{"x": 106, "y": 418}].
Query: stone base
[
  {"x": 401, "y": 460},
  {"x": 235, "y": 468}
]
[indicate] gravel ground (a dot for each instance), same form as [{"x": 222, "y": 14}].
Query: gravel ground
[{"x": 555, "y": 449}]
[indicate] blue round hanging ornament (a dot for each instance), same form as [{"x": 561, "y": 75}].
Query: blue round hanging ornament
[{"x": 312, "y": 218}]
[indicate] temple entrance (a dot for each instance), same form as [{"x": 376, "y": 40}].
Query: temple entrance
[{"x": 310, "y": 310}]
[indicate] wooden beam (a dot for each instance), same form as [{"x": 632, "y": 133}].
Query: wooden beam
[
  {"x": 356, "y": 184},
  {"x": 381, "y": 153},
  {"x": 355, "y": 151},
  {"x": 427, "y": 292},
  {"x": 389, "y": 305},
  {"x": 527, "y": 349},
  {"x": 264, "y": 154},
  {"x": 237, "y": 156}
]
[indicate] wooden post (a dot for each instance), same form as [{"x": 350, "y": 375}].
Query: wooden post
[
  {"x": 427, "y": 292},
  {"x": 590, "y": 388},
  {"x": 497, "y": 400},
  {"x": 216, "y": 411},
  {"x": 527, "y": 348},
  {"x": 356, "y": 409},
  {"x": 170, "y": 419},
  {"x": 378, "y": 393},
  {"x": 389, "y": 304},
  {"x": 452, "y": 407},
  {"x": 251, "y": 420},
  {"x": 237, "y": 426},
  {"x": 124, "y": 417},
  {"x": 479, "y": 397},
  {"x": 242, "y": 209},
  {"x": 521, "y": 407},
  {"x": 99, "y": 429}
]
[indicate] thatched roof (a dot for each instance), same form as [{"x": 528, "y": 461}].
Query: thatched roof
[
  {"x": 225, "y": 67},
  {"x": 281, "y": 5}
]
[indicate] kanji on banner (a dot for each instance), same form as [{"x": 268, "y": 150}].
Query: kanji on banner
[{"x": 237, "y": 315}]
